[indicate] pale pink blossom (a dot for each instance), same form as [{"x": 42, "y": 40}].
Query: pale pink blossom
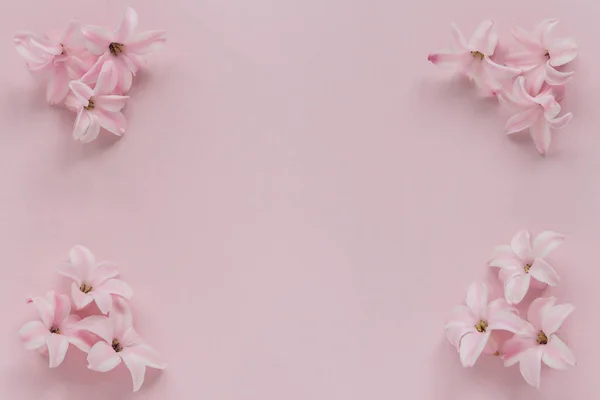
[
  {"x": 124, "y": 46},
  {"x": 538, "y": 342},
  {"x": 538, "y": 114},
  {"x": 57, "y": 57},
  {"x": 92, "y": 281},
  {"x": 540, "y": 55},
  {"x": 473, "y": 58},
  {"x": 471, "y": 325},
  {"x": 54, "y": 330},
  {"x": 98, "y": 107},
  {"x": 120, "y": 343},
  {"x": 522, "y": 263}
]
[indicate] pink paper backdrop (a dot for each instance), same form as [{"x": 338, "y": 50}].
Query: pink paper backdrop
[{"x": 299, "y": 201}]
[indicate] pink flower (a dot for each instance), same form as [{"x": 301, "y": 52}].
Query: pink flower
[
  {"x": 520, "y": 262},
  {"x": 125, "y": 47},
  {"x": 472, "y": 59},
  {"x": 471, "y": 325},
  {"x": 57, "y": 57},
  {"x": 539, "y": 114},
  {"x": 98, "y": 107},
  {"x": 538, "y": 341},
  {"x": 55, "y": 329},
  {"x": 93, "y": 281},
  {"x": 120, "y": 343},
  {"x": 540, "y": 55}
]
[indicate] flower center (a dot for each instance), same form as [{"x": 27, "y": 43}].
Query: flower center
[
  {"x": 527, "y": 267},
  {"x": 116, "y": 345},
  {"x": 115, "y": 48},
  {"x": 90, "y": 105},
  {"x": 481, "y": 326},
  {"x": 478, "y": 54},
  {"x": 55, "y": 330},
  {"x": 85, "y": 288},
  {"x": 542, "y": 338},
  {"x": 547, "y": 54}
]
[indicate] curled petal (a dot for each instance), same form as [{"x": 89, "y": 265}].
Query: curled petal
[
  {"x": 521, "y": 245},
  {"x": 513, "y": 348},
  {"x": 543, "y": 31},
  {"x": 44, "y": 309},
  {"x": 531, "y": 365},
  {"x": 541, "y": 135},
  {"x": 535, "y": 79},
  {"x": 80, "y": 299},
  {"x": 127, "y": 26},
  {"x": 536, "y": 309},
  {"x": 506, "y": 321},
  {"x": 477, "y": 299},
  {"x": 562, "y": 52},
  {"x": 556, "y": 78},
  {"x": 522, "y": 120},
  {"x": 543, "y": 272},
  {"x": 107, "y": 79},
  {"x": 145, "y": 43},
  {"x": 97, "y": 39},
  {"x": 136, "y": 367},
  {"x": 553, "y": 317},
  {"x": 549, "y": 104},
  {"x": 546, "y": 242},
  {"x": 560, "y": 122},
  {"x": 92, "y": 130},
  {"x": 99, "y": 325},
  {"x": 485, "y": 38},
  {"x": 516, "y": 287},
  {"x": 102, "y": 358},
  {"x": 462, "y": 321},
  {"x": 116, "y": 287},
  {"x": 520, "y": 94},
  {"x": 57, "y": 349},
  {"x": 91, "y": 76},
  {"x": 33, "y": 335},
  {"x": 125, "y": 80},
  {"x": 471, "y": 347}
]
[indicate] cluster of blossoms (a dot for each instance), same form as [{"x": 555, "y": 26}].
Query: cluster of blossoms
[
  {"x": 529, "y": 78},
  {"x": 108, "y": 338},
  {"x": 522, "y": 266},
  {"x": 89, "y": 70}
]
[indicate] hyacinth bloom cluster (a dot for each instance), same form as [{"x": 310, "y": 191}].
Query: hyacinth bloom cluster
[
  {"x": 90, "y": 69},
  {"x": 530, "y": 79},
  {"x": 108, "y": 338},
  {"x": 535, "y": 338}
]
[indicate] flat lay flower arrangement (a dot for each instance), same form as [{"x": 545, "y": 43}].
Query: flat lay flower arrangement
[
  {"x": 89, "y": 70},
  {"x": 108, "y": 338},
  {"x": 521, "y": 267},
  {"x": 529, "y": 79}
]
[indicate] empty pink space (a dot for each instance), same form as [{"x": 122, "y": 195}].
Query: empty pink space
[{"x": 299, "y": 201}]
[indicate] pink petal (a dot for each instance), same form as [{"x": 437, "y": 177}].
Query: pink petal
[
  {"x": 471, "y": 347},
  {"x": 127, "y": 26},
  {"x": 97, "y": 39},
  {"x": 80, "y": 299},
  {"x": 525, "y": 61},
  {"x": 546, "y": 242},
  {"x": 91, "y": 76},
  {"x": 72, "y": 272},
  {"x": 536, "y": 309},
  {"x": 71, "y": 103},
  {"x": 521, "y": 245},
  {"x": 136, "y": 368},
  {"x": 553, "y": 317},
  {"x": 146, "y": 42},
  {"x": 99, "y": 325},
  {"x": 112, "y": 103},
  {"x": 541, "y": 135},
  {"x": 82, "y": 91},
  {"x": 125, "y": 80},
  {"x": 45, "y": 309},
  {"x": 133, "y": 61},
  {"x": 103, "y": 358},
  {"x": 73, "y": 29},
  {"x": 506, "y": 262},
  {"x": 103, "y": 272},
  {"x": 462, "y": 321},
  {"x": 477, "y": 299},
  {"x": 500, "y": 305},
  {"x": 147, "y": 355},
  {"x": 121, "y": 319},
  {"x": 62, "y": 309},
  {"x": 543, "y": 31},
  {"x": 459, "y": 39},
  {"x": 57, "y": 349},
  {"x": 535, "y": 79},
  {"x": 557, "y": 350},
  {"x": 116, "y": 287},
  {"x": 520, "y": 94},
  {"x": 514, "y": 347},
  {"x": 449, "y": 60},
  {"x": 531, "y": 365},
  {"x": 560, "y": 122},
  {"x": 107, "y": 79},
  {"x": 550, "y": 105},
  {"x": 516, "y": 287},
  {"x": 543, "y": 272},
  {"x": 522, "y": 120},
  {"x": 109, "y": 121},
  {"x": 58, "y": 85},
  {"x": 500, "y": 72},
  {"x": 103, "y": 300},
  {"x": 554, "y": 77},
  {"x": 505, "y": 321},
  {"x": 491, "y": 347},
  {"x": 33, "y": 334},
  {"x": 527, "y": 40},
  {"x": 485, "y": 38},
  {"x": 562, "y": 52}
]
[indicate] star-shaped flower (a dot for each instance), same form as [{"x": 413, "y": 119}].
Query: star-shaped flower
[
  {"x": 472, "y": 58},
  {"x": 521, "y": 262}
]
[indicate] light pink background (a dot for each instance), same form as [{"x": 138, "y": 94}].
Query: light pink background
[{"x": 299, "y": 201}]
